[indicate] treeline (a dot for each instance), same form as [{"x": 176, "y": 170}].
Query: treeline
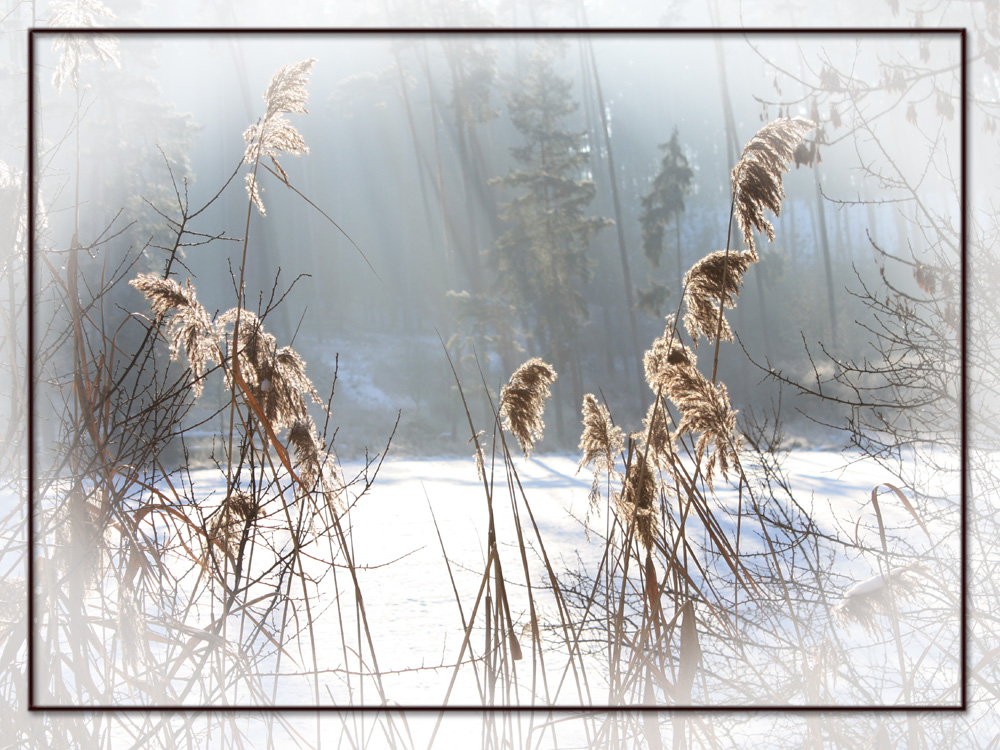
[{"x": 529, "y": 196}]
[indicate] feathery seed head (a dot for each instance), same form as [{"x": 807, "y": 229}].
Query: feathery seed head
[
  {"x": 276, "y": 377},
  {"x": 236, "y": 511},
  {"x": 719, "y": 275},
  {"x": 76, "y": 48},
  {"x": 665, "y": 355},
  {"x": 316, "y": 468},
  {"x": 866, "y": 600},
  {"x": 286, "y": 93},
  {"x": 757, "y": 176},
  {"x": 637, "y": 500},
  {"x": 522, "y": 401},
  {"x": 601, "y": 439},
  {"x": 655, "y": 438},
  {"x": 600, "y": 442},
  {"x": 190, "y": 327},
  {"x": 705, "y": 409},
  {"x": 712, "y": 416},
  {"x": 254, "y": 190}
]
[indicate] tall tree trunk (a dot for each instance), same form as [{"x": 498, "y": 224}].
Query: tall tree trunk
[
  {"x": 423, "y": 168},
  {"x": 604, "y": 291},
  {"x": 470, "y": 184},
  {"x": 620, "y": 228},
  {"x": 680, "y": 260},
  {"x": 733, "y": 143},
  {"x": 825, "y": 246}
]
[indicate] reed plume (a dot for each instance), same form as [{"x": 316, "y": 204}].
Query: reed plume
[
  {"x": 871, "y": 598},
  {"x": 276, "y": 378},
  {"x": 655, "y": 438},
  {"x": 227, "y": 525},
  {"x": 716, "y": 277},
  {"x": 522, "y": 401},
  {"x": 316, "y": 468},
  {"x": 637, "y": 500},
  {"x": 706, "y": 410},
  {"x": 600, "y": 442},
  {"x": 757, "y": 176},
  {"x": 75, "y": 48},
  {"x": 664, "y": 355},
  {"x": 190, "y": 327},
  {"x": 286, "y": 93}
]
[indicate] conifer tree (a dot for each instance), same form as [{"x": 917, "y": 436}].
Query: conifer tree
[
  {"x": 663, "y": 204},
  {"x": 541, "y": 260}
]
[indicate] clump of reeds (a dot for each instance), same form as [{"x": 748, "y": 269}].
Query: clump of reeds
[
  {"x": 873, "y": 597},
  {"x": 522, "y": 401},
  {"x": 273, "y": 378},
  {"x": 687, "y": 404}
]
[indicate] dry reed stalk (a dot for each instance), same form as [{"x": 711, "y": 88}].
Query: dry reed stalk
[{"x": 522, "y": 401}]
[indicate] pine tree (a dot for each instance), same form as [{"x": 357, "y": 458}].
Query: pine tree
[
  {"x": 663, "y": 204},
  {"x": 541, "y": 261}
]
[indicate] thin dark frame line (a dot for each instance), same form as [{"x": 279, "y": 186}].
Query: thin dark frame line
[
  {"x": 962, "y": 706},
  {"x": 30, "y": 262},
  {"x": 488, "y": 30},
  {"x": 587, "y": 708},
  {"x": 963, "y": 387}
]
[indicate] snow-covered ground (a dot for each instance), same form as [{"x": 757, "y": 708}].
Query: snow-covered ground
[{"x": 416, "y": 622}]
